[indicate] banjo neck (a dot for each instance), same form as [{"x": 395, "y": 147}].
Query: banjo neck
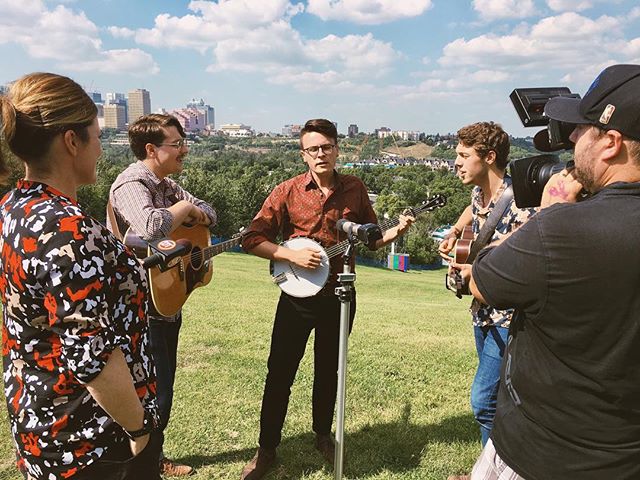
[{"x": 434, "y": 202}]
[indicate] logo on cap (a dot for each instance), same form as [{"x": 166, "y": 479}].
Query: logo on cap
[{"x": 606, "y": 114}]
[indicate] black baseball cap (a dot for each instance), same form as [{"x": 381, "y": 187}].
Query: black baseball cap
[{"x": 611, "y": 103}]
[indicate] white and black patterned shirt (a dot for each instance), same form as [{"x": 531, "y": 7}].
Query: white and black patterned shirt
[{"x": 512, "y": 219}]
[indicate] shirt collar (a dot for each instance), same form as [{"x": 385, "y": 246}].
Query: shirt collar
[
  {"x": 148, "y": 173},
  {"x": 310, "y": 183}
]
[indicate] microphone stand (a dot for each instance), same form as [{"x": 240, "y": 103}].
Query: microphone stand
[{"x": 345, "y": 294}]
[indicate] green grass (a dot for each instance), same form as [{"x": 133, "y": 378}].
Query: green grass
[{"x": 411, "y": 361}]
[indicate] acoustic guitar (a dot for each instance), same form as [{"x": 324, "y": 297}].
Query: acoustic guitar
[
  {"x": 306, "y": 282},
  {"x": 171, "y": 288},
  {"x": 460, "y": 254}
]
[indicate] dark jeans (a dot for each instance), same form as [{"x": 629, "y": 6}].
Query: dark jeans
[
  {"x": 118, "y": 464},
  {"x": 295, "y": 318},
  {"x": 163, "y": 337},
  {"x": 490, "y": 345}
]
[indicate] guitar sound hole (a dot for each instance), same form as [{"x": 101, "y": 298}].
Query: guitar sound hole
[{"x": 196, "y": 258}]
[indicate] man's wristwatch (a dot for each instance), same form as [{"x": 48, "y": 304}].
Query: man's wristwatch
[{"x": 148, "y": 424}]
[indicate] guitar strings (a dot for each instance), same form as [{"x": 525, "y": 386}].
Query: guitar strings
[{"x": 198, "y": 256}]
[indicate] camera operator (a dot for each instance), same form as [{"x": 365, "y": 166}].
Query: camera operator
[{"x": 569, "y": 402}]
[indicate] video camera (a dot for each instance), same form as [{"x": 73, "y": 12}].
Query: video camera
[{"x": 529, "y": 175}]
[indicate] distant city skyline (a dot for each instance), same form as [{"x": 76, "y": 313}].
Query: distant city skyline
[{"x": 414, "y": 65}]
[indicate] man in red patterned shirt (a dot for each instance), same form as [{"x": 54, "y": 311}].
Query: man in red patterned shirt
[{"x": 307, "y": 205}]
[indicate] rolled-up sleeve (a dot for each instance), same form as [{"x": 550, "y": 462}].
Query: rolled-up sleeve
[
  {"x": 76, "y": 267},
  {"x": 267, "y": 223},
  {"x": 182, "y": 194},
  {"x": 133, "y": 201}
]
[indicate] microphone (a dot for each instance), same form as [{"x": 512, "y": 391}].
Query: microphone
[
  {"x": 366, "y": 233},
  {"x": 167, "y": 253}
]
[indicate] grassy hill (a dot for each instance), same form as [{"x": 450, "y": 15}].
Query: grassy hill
[{"x": 411, "y": 361}]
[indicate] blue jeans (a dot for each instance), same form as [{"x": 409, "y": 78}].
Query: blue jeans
[
  {"x": 163, "y": 337},
  {"x": 490, "y": 345}
]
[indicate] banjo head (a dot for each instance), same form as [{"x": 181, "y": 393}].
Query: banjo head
[{"x": 302, "y": 282}]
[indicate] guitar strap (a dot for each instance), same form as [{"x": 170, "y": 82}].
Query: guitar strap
[
  {"x": 455, "y": 282},
  {"x": 486, "y": 232},
  {"x": 115, "y": 229}
]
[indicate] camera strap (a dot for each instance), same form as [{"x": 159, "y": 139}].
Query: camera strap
[{"x": 486, "y": 232}]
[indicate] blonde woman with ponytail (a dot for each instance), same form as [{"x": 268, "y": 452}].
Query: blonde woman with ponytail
[{"x": 78, "y": 379}]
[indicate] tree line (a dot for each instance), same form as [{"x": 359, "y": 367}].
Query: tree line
[{"x": 236, "y": 182}]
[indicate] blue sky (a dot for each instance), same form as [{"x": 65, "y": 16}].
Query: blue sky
[{"x": 427, "y": 65}]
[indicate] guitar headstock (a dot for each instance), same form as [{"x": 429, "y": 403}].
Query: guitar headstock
[{"x": 436, "y": 201}]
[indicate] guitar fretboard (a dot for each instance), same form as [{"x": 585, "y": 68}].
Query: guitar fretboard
[{"x": 213, "y": 250}]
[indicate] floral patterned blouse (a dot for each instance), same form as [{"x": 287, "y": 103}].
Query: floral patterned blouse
[{"x": 71, "y": 294}]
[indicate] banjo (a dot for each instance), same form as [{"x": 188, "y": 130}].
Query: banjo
[{"x": 304, "y": 282}]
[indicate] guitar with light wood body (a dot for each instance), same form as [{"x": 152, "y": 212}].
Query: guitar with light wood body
[{"x": 170, "y": 288}]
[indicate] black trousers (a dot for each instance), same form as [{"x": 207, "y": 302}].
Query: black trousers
[
  {"x": 118, "y": 464},
  {"x": 295, "y": 318},
  {"x": 163, "y": 337}
]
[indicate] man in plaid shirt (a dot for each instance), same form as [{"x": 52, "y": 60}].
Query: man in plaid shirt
[{"x": 146, "y": 200}]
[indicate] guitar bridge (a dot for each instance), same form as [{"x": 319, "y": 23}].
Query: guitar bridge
[{"x": 181, "y": 270}]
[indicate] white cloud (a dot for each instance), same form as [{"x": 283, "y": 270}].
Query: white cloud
[
  {"x": 355, "y": 53},
  {"x": 368, "y": 12},
  {"x": 501, "y": 9},
  {"x": 65, "y": 36},
  {"x": 569, "y": 5},
  {"x": 121, "y": 32},
  {"x": 257, "y": 36},
  {"x": 215, "y": 22},
  {"x": 133, "y": 61},
  {"x": 577, "y": 5},
  {"x": 264, "y": 49},
  {"x": 447, "y": 84},
  {"x": 554, "y": 42},
  {"x": 575, "y": 27}
]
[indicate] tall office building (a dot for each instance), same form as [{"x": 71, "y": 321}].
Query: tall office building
[
  {"x": 207, "y": 110},
  {"x": 112, "y": 98},
  {"x": 114, "y": 116},
  {"x": 191, "y": 119},
  {"x": 139, "y": 104},
  {"x": 353, "y": 130},
  {"x": 95, "y": 96},
  {"x": 291, "y": 130}
]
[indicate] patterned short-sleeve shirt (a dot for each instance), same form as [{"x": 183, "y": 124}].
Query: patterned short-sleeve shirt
[
  {"x": 71, "y": 293},
  {"x": 513, "y": 218}
]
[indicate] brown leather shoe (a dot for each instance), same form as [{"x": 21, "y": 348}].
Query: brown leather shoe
[
  {"x": 325, "y": 445},
  {"x": 174, "y": 469},
  {"x": 459, "y": 477},
  {"x": 259, "y": 464}
]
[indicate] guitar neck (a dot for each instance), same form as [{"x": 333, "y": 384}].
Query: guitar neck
[{"x": 219, "y": 248}]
